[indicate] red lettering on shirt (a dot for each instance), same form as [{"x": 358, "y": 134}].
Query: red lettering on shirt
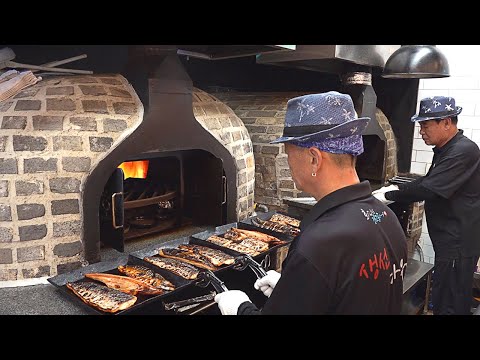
[
  {"x": 387, "y": 262},
  {"x": 376, "y": 262},
  {"x": 363, "y": 271}
]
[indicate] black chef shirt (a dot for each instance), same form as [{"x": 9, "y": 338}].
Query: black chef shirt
[
  {"x": 453, "y": 218},
  {"x": 350, "y": 258}
]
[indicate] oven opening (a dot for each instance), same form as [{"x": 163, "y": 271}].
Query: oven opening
[{"x": 149, "y": 196}]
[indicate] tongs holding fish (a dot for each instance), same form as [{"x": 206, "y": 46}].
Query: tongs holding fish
[
  {"x": 207, "y": 277},
  {"x": 246, "y": 260}
]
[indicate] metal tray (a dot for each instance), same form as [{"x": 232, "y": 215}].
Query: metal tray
[
  {"x": 266, "y": 216},
  {"x": 110, "y": 267}
]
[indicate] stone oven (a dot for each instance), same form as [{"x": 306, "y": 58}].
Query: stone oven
[{"x": 63, "y": 140}]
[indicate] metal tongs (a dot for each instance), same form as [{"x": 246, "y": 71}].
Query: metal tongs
[
  {"x": 246, "y": 260},
  {"x": 207, "y": 277},
  {"x": 186, "y": 304},
  {"x": 204, "y": 278}
]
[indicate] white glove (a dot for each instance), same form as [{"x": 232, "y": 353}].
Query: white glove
[
  {"x": 380, "y": 193},
  {"x": 229, "y": 301},
  {"x": 268, "y": 282}
]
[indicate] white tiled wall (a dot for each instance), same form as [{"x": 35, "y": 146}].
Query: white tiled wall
[{"x": 464, "y": 85}]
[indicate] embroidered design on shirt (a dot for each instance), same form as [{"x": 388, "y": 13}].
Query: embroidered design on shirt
[{"x": 374, "y": 216}]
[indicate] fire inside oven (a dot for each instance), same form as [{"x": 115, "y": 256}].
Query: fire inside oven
[
  {"x": 150, "y": 203},
  {"x": 151, "y": 195}
]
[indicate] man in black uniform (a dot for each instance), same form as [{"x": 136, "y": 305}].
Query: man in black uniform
[
  {"x": 451, "y": 190},
  {"x": 351, "y": 254}
]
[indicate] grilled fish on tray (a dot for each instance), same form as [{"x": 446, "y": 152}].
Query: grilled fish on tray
[
  {"x": 254, "y": 244},
  {"x": 275, "y": 226},
  {"x": 125, "y": 284},
  {"x": 147, "y": 276},
  {"x": 216, "y": 257},
  {"x": 102, "y": 297},
  {"x": 236, "y": 234},
  {"x": 285, "y": 220},
  {"x": 178, "y": 267},
  {"x": 214, "y": 239},
  {"x": 188, "y": 257}
]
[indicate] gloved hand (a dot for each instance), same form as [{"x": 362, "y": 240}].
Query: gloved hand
[
  {"x": 380, "y": 193},
  {"x": 229, "y": 301},
  {"x": 268, "y": 282}
]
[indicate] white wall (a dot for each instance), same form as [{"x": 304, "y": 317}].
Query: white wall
[{"x": 464, "y": 85}]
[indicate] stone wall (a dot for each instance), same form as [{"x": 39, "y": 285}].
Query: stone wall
[
  {"x": 263, "y": 115},
  {"x": 230, "y": 131},
  {"x": 53, "y": 134}
]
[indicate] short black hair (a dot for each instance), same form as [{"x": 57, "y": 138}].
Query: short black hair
[{"x": 454, "y": 119}]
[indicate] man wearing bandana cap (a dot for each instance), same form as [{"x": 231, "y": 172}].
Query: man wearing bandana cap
[
  {"x": 351, "y": 254},
  {"x": 451, "y": 191}
]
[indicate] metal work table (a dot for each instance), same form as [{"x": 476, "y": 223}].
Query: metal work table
[{"x": 416, "y": 287}]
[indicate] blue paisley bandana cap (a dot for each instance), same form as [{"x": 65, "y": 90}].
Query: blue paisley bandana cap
[{"x": 327, "y": 121}]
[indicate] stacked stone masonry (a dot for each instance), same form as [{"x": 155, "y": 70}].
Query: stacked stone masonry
[
  {"x": 263, "y": 115},
  {"x": 231, "y": 132},
  {"x": 52, "y": 135}
]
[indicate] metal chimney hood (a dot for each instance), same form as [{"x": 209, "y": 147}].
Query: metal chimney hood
[
  {"x": 330, "y": 58},
  {"x": 219, "y": 52}
]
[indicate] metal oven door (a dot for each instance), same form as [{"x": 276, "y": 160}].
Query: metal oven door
[{"x": 111, "y": 212}]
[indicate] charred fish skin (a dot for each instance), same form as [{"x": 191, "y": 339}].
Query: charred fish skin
[
  {"x": 229, "y": 244},
  {"x": 238, "y": 235},
  {"x": 146, "y": 276},
  {"x": 217, "y": 240},
  {"x": 255, "y": 244},
  {"x": 274, "y": 226},
  {"x": 286, "y": 220},
  {"x": 102, "y": 297},
  {"x": 216, "y": 257},
  {"x": 178, "y": 267},
  {"x": 189, "y": 257}
]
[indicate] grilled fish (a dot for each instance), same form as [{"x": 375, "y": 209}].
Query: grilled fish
[
  {"x": 241, "y": 234},
  {"x": 254, "y": 244},
  {"x": 124, "y": 283},
  {"x": 188, "y": 257},
  {"x": 214, "y": 239},
  {"x": 147, "y": 276},
  {"x": 216, "y": 257},
  {"x": 178, "y": 267},
  {"x": 275, "y": 226},
  {"x": 285, "y": 220},
  {"x": 102, "y": 297}
]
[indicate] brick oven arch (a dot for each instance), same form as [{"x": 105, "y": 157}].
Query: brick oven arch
[{"x": 64, "y": 136}]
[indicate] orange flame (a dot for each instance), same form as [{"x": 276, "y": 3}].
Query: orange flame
[{"x": 134, "y": 169}]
